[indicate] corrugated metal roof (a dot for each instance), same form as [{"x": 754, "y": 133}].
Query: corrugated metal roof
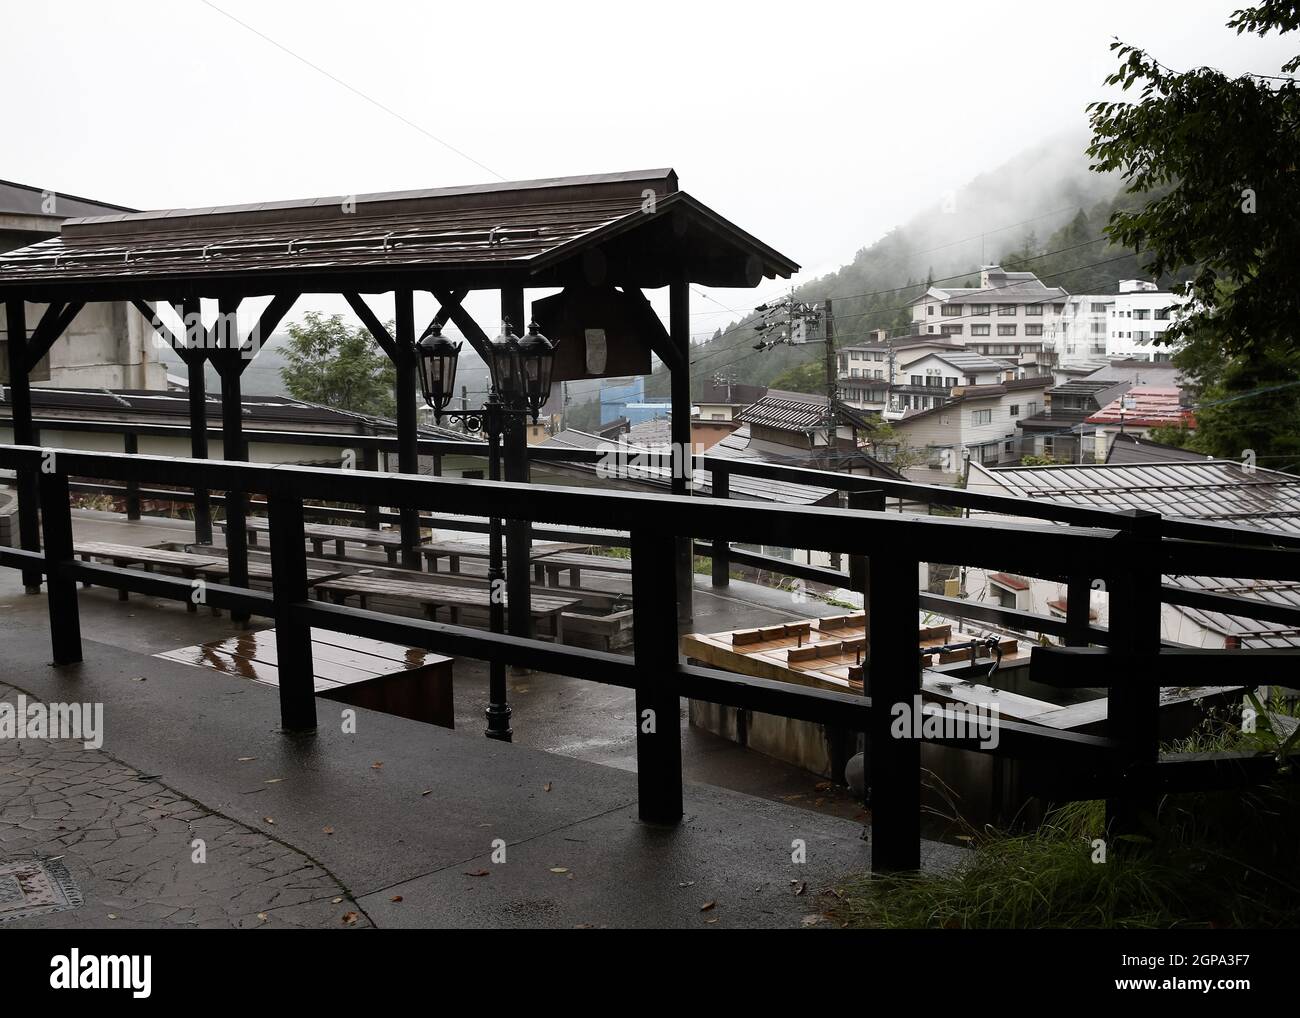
[
  {"x": 1218, "y": 490},
  {"x": 1145, "y": 405}
]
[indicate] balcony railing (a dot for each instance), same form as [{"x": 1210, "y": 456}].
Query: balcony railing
[{"x": 1128, "y": 551}]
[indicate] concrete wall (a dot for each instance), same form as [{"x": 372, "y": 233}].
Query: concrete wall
[{"x": 107, "y": 346}]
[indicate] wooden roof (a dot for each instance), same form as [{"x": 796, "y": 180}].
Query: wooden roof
[{"x": 540, "y": 232}]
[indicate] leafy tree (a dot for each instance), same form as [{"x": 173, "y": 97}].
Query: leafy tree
[
  {"x": 809, "y": 377},
  {"x": 337, "y": 366},
  {"x": 1214, "y": 160}
]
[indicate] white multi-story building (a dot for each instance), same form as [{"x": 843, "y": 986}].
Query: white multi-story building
[
  {"x": 1007, "y": 315},
  {"x": 1115, "y": 326}
]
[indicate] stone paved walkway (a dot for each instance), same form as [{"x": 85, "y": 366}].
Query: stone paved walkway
[{"x": 128, "y": 841}]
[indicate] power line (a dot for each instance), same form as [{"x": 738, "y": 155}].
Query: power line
[{"x": 353, "y": 89}]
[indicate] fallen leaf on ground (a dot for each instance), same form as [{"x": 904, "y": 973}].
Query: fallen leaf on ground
[
  {"x": 396, "y": 897},
  {"x": 687, "y": 883},
  {"x": 328, "y": 830},
  {"x": 377, "y": 765},
  {"x": 546, "y": 787},
  {"x": 708, "y": 905},
  {"x": 476, "y": 873},
  {"x": 244, "y": 759},
  {"x": 263, "y": 916},
  {"x": 273, "y": 781},
  {"x": 426, "y": 791},
  {"x": 559, "y": 869},
  {"x": 267, "y": 820},
  {"x": 336, "y": 901},
  {"x": 349, "y": 918},
  {"x": 803, "y": 886}
]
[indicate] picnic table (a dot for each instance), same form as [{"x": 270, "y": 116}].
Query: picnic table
[
  {"x": 318, "y": 533},
  {"x": 433, "y": 596},
  {"x": 406, "y": 681},
  {"x": 553, "y": 565},
  {"x": 262, "y": 571},
  {"x": 187, "y": 564},
  {"x": 454, "y": 551}
]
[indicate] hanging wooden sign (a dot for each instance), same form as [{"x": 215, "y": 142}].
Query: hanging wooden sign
[{"x": 601, "y": 332}]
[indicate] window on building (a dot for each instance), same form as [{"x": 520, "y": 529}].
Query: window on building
[
  {"x": 929, "y": 309},
  {"x": 979, "y": 330},
  {"x": 950, "y": 380},
  {"x": 951, "y": 330},
  {"x": 1058, "y": 309},
  {"x": 1098, "y": 309},
  {"x": 1006, "y": 330},
  {"x": 1006, "y": 309},
  {"x": 1142, "y": 313},
  {"x": 979, "y": 309},
  {"x": 951, "y": 310},
  {"x": 1015, "y": 409},
  {"x": 1033, "y": 330},
  {"x": 978, "y": 417},
  {"x": 1034, "y": 309},
  {"x": 1162, "y": 314},
  {"x": 917, "y": 380}
]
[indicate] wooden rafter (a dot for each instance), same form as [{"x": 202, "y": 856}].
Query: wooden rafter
[
  {"x": 53, "y": 324},
  {"x": 474, "y": 335},
  {"x": 372, "y": 323}
]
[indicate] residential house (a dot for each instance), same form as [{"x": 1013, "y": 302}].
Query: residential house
[
  {"x": 1137, "y": 411},
  {"x": 976, "y": 424},
  {"x": 1059, "y": 430},
  {"x": 721, "y": 399},
  {"x": 796, "y": 427}
]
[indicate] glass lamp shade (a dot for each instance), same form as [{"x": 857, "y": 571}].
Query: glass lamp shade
[
  {"x": 436, "y": 360},
  {"x": 507, "y": 376},
  {"x": 537, "y": 359}
]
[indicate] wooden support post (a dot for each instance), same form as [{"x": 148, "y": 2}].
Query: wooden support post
[
  {"x": 56, "y": 517},
  {"x": 292, "y": 638},
  {"x": 874, "y": 501},
  {"x": 1133, "y": 711},
  {"x": 370, "y": 461},
  {"x": 1078, "y": 594},
  {"x": 131, "y": 446},
  {"x": 519, "y": 538},
  {"x": 20, "y": 399},
  {"x": 226, "y": 356},
  {"x": 408, "y": 455},
  {"x": 679, "y": 330},
  {"x": 658, "y": 711},
  {"x": 721, "y": 545},
  {"x": 195, "y": 359},
  {"x": 893, "y": 679}
]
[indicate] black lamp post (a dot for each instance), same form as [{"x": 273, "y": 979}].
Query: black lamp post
[{"x": 521, "y": 385}]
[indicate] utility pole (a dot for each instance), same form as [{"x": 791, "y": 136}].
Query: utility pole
[{"x": 832, "y": 386}]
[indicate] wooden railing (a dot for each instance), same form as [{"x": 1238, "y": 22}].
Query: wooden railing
[{"x": 1131, "y": 554}]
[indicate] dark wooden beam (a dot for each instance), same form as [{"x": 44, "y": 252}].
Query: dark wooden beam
[
  {"x": 150, "y": 315},
  {"x": 272, "y": 315},
  {"x": 372, "y": 323},
  {"x": 190, "y": 310},
  {"x": 464, "y": 321},
  {"x": 408, "y": 455},
  {"x": 20, "y": 400},
  {"x": 660, "y": 341},
  {"x": 444, "y": 314},
  {"x": 47, "y": 332},
  {"x": 679, "y": 326}
]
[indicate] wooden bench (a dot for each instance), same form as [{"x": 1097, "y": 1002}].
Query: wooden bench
[
  {"x": 186, "y": 564},
  {"x": 262, "y": 571},
  {"x": 405, "y": 681},
  {"x": 553, "y": 565},
  {"x": 454, "y": 551},
  {"x": 432, "y": 597},
  {"x": 318, "y": 533}
]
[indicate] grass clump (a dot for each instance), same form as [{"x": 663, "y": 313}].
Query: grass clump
[{"x": 1207, "y": 859}]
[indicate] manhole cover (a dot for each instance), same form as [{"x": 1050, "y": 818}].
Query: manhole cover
[{"x": 36, "y": 887}]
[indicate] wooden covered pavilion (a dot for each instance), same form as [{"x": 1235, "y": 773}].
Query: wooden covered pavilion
[{"x": 594, "y": 236}]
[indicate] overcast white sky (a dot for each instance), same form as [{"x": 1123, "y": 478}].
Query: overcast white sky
[{"x": 816, "y": 126}]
